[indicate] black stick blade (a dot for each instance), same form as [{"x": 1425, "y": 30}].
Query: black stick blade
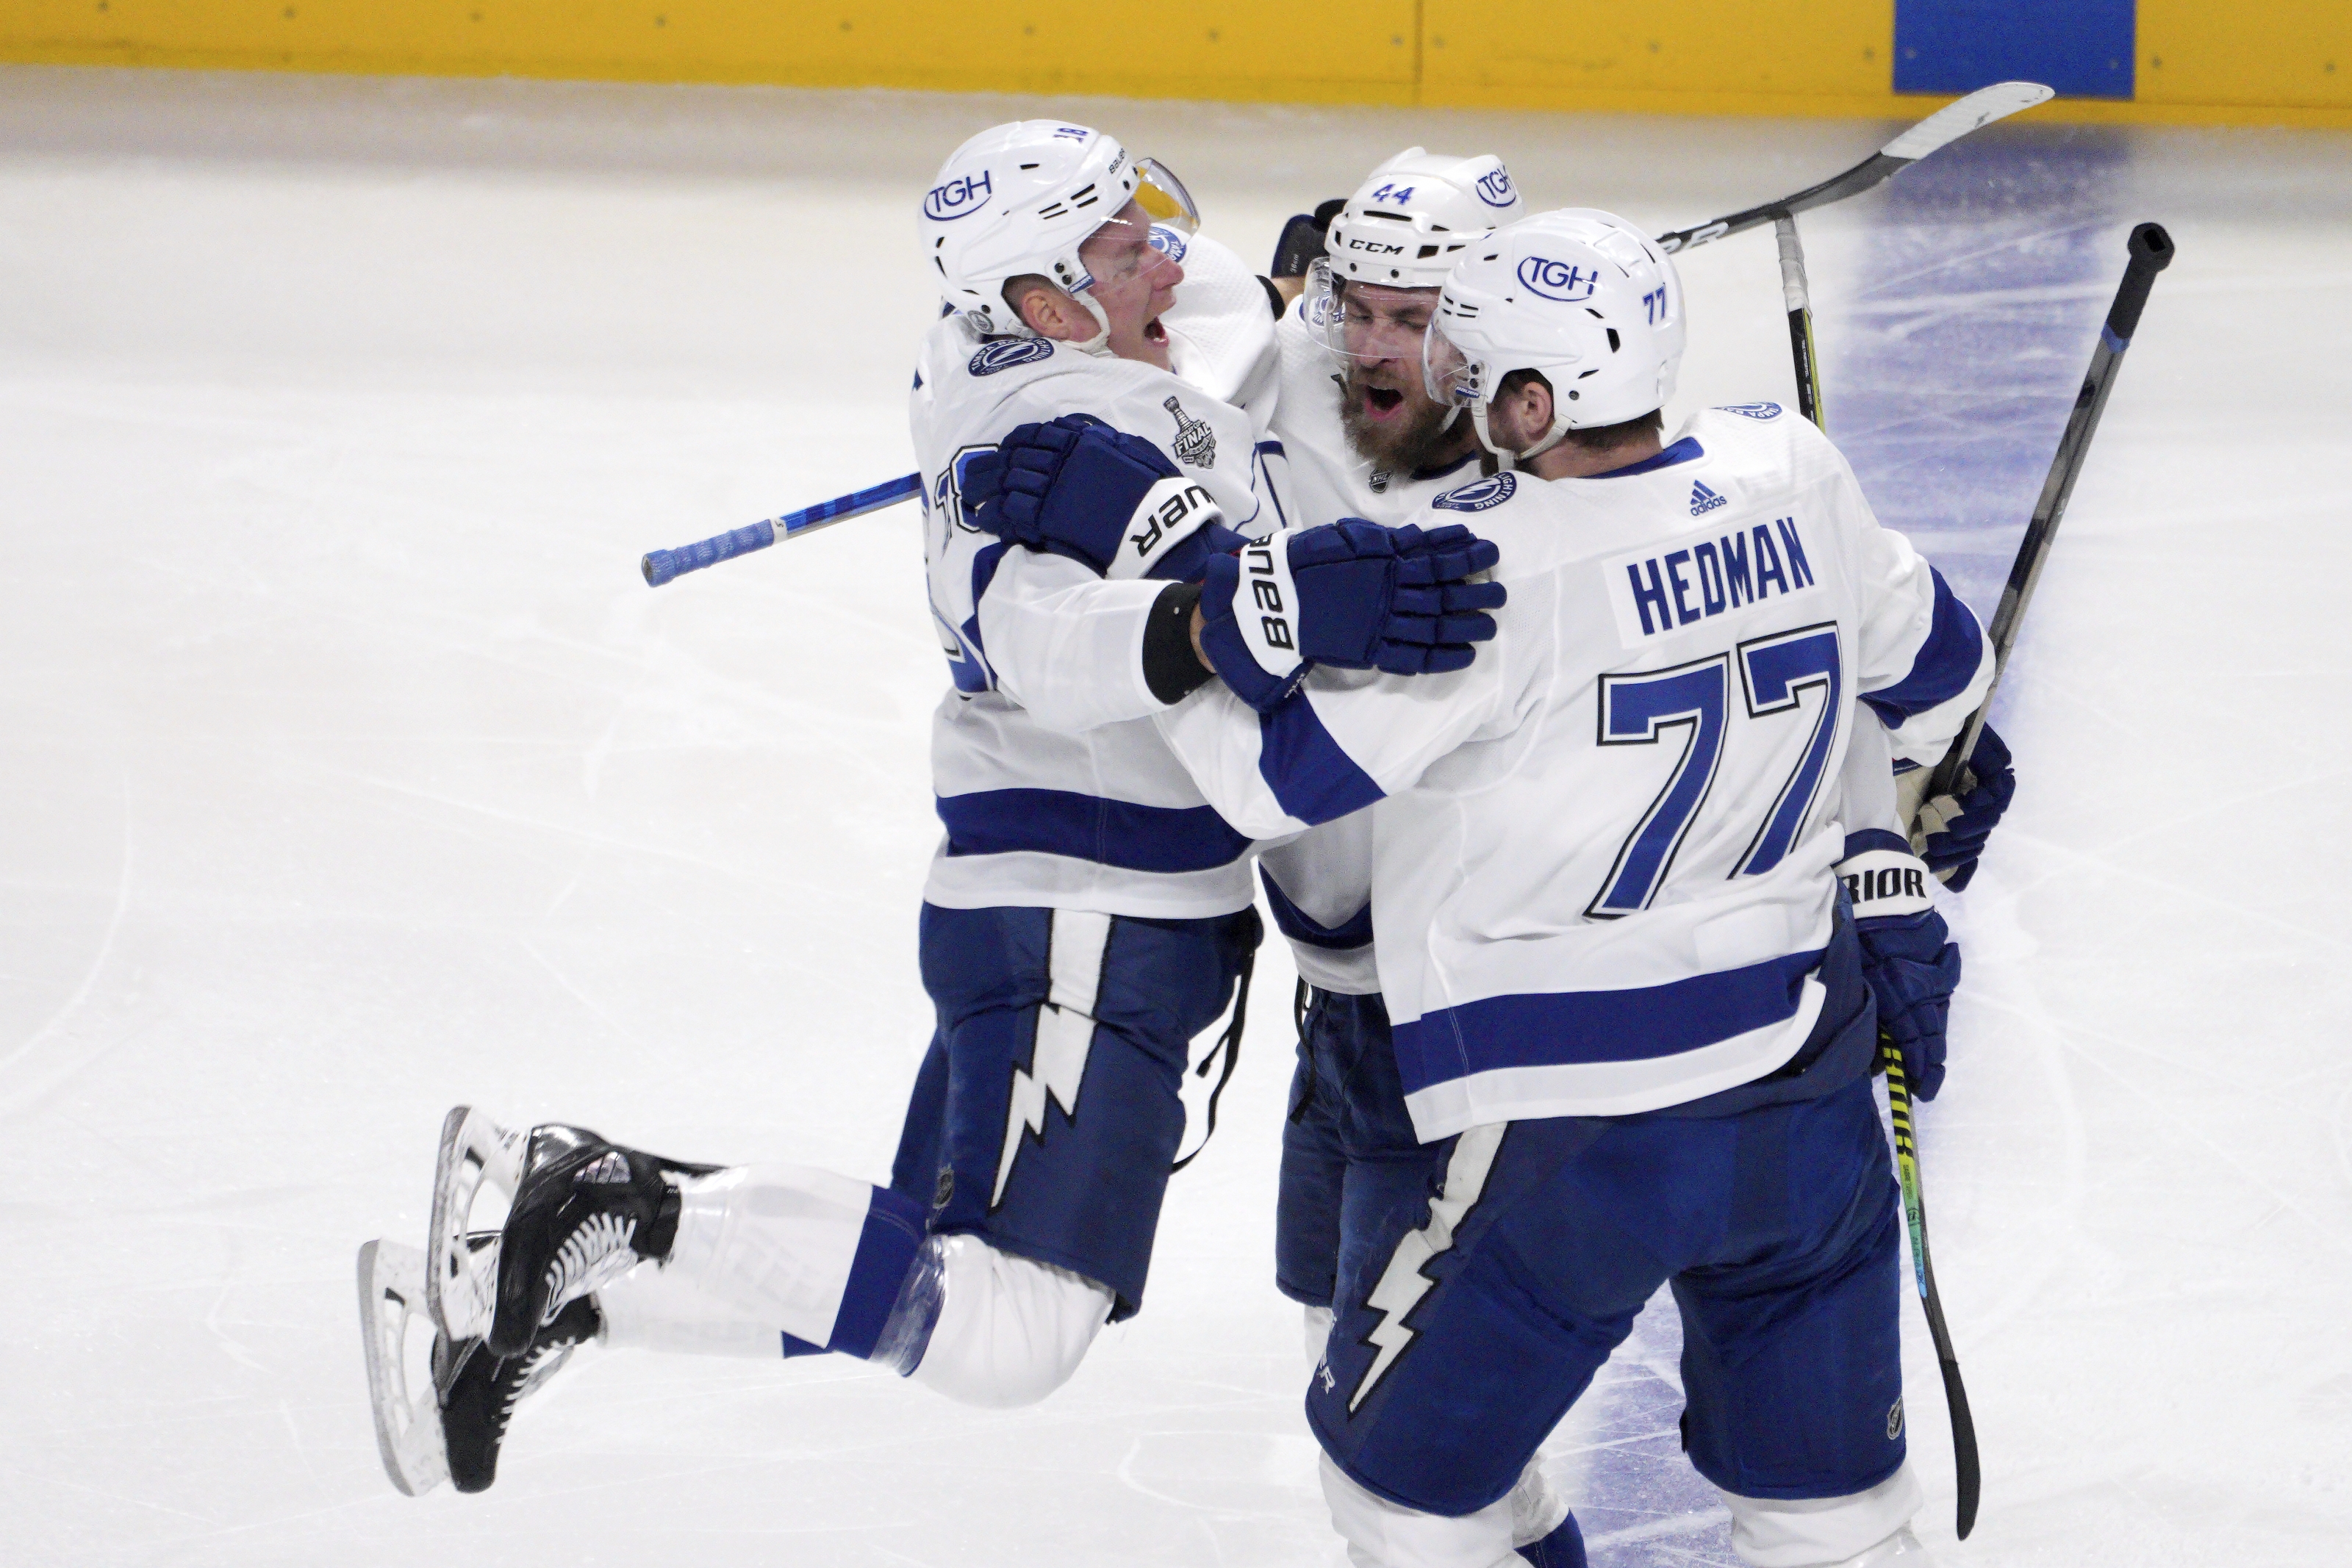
[{"x": 1964, "y": 1448}]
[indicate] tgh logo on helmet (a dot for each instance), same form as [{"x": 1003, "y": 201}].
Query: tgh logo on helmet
[
  {"x": 1495, "y": 187},
  {"x": 958, "y": 198},
  {"x": 1558, "y": 280}
]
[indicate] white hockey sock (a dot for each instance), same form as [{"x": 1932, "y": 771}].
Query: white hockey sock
[
  {"x": 1817, "y": 1533},
  {"x": 1008, "y": 1331},
  {"x": 1382, "y": 1534},
  {"x": 654, "y": 1308},
  {"x": 815, "y": 1255},
  {"x": 1536, "y": 1508}
]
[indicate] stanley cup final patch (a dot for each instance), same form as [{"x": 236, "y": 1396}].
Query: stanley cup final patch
[{"x": 1196, "y": 443}]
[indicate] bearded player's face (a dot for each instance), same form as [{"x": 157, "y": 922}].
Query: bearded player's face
[{"x": 1384, "y": 409}]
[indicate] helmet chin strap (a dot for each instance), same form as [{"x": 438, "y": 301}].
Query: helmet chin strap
[
  {"x": 1100, "y": 344},
  {"x": 1507, "y": 459}
]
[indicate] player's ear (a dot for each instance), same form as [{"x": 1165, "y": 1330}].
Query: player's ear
[
  {"x": 1051, "y": 313},
  {"x": 1535, "y": 408}
]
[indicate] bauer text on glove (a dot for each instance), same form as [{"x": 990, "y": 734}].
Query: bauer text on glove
[
  {"x": 1077, "y": 487},
  {"x": 1351, "y": 594}
]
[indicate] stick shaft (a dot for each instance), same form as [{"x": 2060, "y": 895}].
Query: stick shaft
[
  {"x": 1798, "y": 296},
  {"x": 2152, "y": 251},
  {"x": 1968, "y": 1470},
  {"x": 668, "y": 565},
  {"x": 1940, "y": 130}
]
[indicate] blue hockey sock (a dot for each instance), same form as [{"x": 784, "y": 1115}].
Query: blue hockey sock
[{"x": 1563, "y": 1548}]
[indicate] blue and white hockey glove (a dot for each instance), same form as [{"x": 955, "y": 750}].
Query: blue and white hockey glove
[
  {"x": 1952, "y": 829},
  {"x": 1909, "y": 958},
  {"x": 1077, "y": 487},
  {"x": 1351, "y": 594}
]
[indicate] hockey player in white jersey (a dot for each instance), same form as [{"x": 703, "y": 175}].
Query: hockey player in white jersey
[
  {"x": 1087, "y": 913},
  {"x": 1637, "y": 965},
  {"x": 1360, "y": 435}
]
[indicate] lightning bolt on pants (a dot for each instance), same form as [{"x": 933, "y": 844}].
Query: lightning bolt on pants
[
  {"x": 1468, "y": 1334},
  {"x": 1046, "y": 1113}
]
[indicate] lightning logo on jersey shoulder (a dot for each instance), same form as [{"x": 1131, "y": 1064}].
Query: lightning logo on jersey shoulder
[
  {"x": 1405, "y": 1280},
  {"x": 1479, "y": 495}
]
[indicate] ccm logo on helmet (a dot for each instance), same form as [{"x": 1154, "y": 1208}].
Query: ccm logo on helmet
[
  {"x": 1494, "y": 188},
  {"x": 958, "y": 198},
  {"x": 1558, "y": 280},
  {"x": 1374, "y": 246}
]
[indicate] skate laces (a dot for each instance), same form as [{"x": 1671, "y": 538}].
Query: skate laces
[
  {"x": 596, "y": 1253},
  {"x": 540, "y": 1363}
]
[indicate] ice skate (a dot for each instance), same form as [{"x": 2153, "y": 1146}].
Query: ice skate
[
  {"x": 453, "y": 1425},
  {"x": 583, "y": 1212},
  {"x": 479, "y": 1391},
  {"x": 407, "y": 1419},
  {"x": 474, "y": 1150}
]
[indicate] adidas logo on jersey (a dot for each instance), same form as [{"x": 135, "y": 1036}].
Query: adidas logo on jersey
[
  {"x": 1704, "y": 500},
  {"x": 610, "y": 1170}
]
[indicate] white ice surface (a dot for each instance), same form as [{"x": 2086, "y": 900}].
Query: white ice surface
[{"x": 348, "y": 770}]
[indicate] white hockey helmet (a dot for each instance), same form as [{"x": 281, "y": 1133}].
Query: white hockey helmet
[
  {"x": 1578, "y": 295},
  {"x": 1409, "y": 222},
  {"x": 1021, "y": 198}
]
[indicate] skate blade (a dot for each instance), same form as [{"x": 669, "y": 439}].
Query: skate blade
[
  {"x": 407, "y": 1425},
  {"x": 474, "y": 1150}
]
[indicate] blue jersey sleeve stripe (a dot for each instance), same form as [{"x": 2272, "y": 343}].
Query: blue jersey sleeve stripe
[
  {"x": 1312, "y": 778},
  {"x": 983, "y": 572},
  {"x": 1578, "y": 1028},
  {"x": 1946, "y": 661},
  {"x": 1089, "y": 828},
  {"x": 1300, "y": 927}
]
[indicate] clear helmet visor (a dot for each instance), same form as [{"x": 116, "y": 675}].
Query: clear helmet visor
[
  {"x": 1164, "y": 199},
  {"x": 1364, "y": 323},
  {"x": 1450, "y": 376},
  {"x": 1123, "y": 251}
]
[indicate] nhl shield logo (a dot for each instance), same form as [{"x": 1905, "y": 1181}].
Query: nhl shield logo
[{"x": 1196, "y": 443}]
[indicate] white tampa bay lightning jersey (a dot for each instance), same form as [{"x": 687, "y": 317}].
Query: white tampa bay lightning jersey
[
  {"x": 1055, "y": 788},
  {"x": 1601, "y": 856}
]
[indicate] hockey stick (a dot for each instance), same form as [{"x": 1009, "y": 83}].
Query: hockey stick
[
  {"x": 1968, "y": 1473},
  {"x": 1938, "y": 131},
  {"x": 2150, "y": 250},
  {"x": 663, "y": 565}
]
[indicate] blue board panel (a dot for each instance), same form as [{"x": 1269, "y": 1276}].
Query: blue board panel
[{"x": 2082, "y": 47}]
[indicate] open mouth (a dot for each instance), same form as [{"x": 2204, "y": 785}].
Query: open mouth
[
  {"x": 1381, "y": 401},
  {"x": 1153, "y": 332}
]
